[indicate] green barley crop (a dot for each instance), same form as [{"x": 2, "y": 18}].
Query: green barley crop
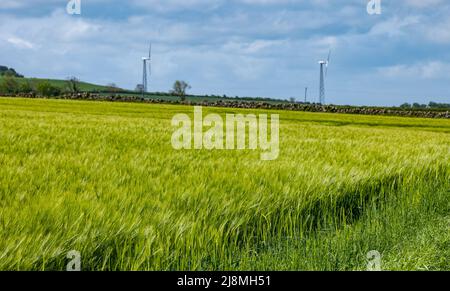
[{"x": 104, "y": 180}]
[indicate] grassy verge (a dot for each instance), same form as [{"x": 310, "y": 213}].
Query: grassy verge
[{"x": 409, "y": 230}]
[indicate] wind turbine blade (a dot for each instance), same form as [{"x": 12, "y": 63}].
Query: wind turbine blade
[
  {"x": 327, "y": 63},
  {"x": 150, "y": 52}
]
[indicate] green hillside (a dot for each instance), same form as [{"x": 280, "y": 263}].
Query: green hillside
[{"x": 62, "y": 84}]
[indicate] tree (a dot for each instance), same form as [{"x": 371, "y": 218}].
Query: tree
[
  {"x": 46, "y": 89},
  {"x": 405, "y": 106},
  {"x": 179, "y": 89},
  {"x": 418, "y": 105},
  {"x": 25, "y": 87},
  {"x": 438, "y": 105},
  {"x": 9, "y": 85},
  {"x": 73, "y": 83}
]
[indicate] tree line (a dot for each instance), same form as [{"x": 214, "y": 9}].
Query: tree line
[
  {"x": 14, "y": 85},
  {"x": 431, "y": 105}
]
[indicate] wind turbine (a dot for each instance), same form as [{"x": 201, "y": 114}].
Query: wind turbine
[
  {"x": 322, "y": 78},
  {"x": 144, "y": 74}
]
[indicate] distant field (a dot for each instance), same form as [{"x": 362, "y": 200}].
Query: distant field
[{"x": 103, "y": 179}]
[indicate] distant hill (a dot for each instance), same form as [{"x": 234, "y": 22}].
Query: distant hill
[
  {"x": 107, "y": 90},
  {"x": 5, "y": 71},
  {"x": 16, "y": 84},
  {"x": 61, "y": 84}
]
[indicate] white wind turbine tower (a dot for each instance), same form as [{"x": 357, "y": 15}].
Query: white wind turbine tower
[
  {"x": 322, "y": 78},
  {"x": 146, "y": 60}
]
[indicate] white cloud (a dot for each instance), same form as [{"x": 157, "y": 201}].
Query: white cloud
[
  {"x": 423, "y": 3},
  {"x": 20, "y": 43},
  {"x": 395, "y": 26},
  {"x": 177, "y": 5},
  {"x": 427, "y": 70}
]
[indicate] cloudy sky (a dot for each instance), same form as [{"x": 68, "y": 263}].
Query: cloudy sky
[{"x": 266, "y": 48}]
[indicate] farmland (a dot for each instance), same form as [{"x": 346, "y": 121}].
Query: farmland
[{"x": 103, "y": 179}]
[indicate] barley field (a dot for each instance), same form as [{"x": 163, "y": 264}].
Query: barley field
[{"x": 103, "y": 179}]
